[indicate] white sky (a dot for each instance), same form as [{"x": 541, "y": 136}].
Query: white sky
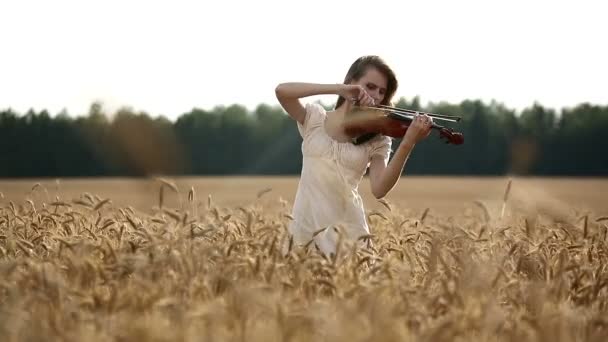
[{"x": 166, "y": 57}]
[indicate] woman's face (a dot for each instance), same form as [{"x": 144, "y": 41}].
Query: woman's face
[{"x": 374, "y": 82}]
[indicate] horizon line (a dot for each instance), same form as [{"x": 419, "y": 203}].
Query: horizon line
[{"x": 252, "y": 108}]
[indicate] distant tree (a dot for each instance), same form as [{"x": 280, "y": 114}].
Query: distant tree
[{"x": 232, "y": 140}]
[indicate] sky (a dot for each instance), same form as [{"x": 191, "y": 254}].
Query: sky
[{"x": 167, "y": 57}]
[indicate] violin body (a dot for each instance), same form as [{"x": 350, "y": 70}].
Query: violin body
[
  {"x": 367, "y": 121},
  {"x": 361, "y": 122}
]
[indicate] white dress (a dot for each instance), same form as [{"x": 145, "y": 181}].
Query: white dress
[{"x": 327, "y": 194}]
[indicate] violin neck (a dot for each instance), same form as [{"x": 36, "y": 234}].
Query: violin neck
[{"x": 407, "y": 118}]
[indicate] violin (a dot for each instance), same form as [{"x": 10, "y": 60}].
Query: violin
[{"x": 364, "y": 122}]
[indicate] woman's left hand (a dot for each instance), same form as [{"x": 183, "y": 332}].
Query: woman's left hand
[{"x": 419, "y": 129}]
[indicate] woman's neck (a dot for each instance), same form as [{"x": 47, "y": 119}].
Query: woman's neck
[
  {"x": 335, "y": 124},
  {"x": 339, "y": 112}
]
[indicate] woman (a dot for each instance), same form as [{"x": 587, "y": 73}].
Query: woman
[{"x": 332, "y": 167}]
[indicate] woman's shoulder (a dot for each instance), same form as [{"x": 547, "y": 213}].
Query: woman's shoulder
[
  {"x": 316, "y": 108},
  {"x": 380, "y": 144},
  {"x": 315, "y": 114},
  {"x": 381, "y": 140}
]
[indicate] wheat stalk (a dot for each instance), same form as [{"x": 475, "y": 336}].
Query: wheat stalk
[{"x": 505, "y": 198}]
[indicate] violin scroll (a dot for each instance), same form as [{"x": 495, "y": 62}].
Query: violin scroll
[{"x": 451, "y": 137}]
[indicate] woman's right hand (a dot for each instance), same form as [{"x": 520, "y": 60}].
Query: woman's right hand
[{"x": 355, "y": 93}]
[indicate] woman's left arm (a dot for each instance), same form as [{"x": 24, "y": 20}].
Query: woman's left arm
[{"x": 383, "y": 177}]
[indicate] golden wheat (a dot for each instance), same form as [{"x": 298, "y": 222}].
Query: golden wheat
[{"x": 96, "y": 271}]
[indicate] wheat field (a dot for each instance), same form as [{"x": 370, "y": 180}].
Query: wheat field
[{"x": 208, "y": 259}]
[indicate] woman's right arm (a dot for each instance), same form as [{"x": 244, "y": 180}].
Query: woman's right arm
[{"x": 289, "y": 95}]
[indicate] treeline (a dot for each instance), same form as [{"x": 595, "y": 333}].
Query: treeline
[{"x": 229, "y": 140}]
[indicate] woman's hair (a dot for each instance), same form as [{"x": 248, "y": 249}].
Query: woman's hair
[{"x": 360, "y": 67}]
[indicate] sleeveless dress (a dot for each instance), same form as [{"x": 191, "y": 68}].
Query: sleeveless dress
[{"x": 327, "y": 194}]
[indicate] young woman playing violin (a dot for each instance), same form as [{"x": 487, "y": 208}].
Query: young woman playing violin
[{"x": 333, "y": 166}]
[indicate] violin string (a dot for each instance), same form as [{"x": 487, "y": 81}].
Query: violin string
[
  {"x": 417, "y": 112},
  {"x": 408, "y": 115},
  {"x": 409, "y": 111}
]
